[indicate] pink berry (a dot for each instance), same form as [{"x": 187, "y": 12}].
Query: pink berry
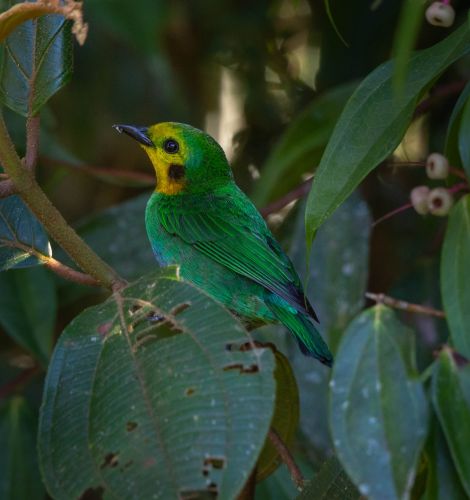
[
  {"x": 440, "y": 14},
  {"x": 440, "y": 201},
  {"x": 437, "y": 166},
  {"x": 419, "y": 199}
]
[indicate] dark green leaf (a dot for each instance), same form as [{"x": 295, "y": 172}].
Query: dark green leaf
[
  {"x": 330, "y": 483},
  {"x": 19, "y": 232},
  {"x": 371, "y": 386},
  {"x": 455, "y": 261},
  {"x": 300, "y": 148},
  {"x": 373, "y": 123},
  {"x": 28, "y": 305},
  {"x": 451, "y": 149},
  {"x": 19, "y": 472},
  {"x": 154, "y": 410},
  {"x": 411, "y": 17},
  {"x": 37, "y": 62},
  {"x": 449, "y": 386},
  {"x": 464, "y": 137},
  {"x": 442, "y": 483}
]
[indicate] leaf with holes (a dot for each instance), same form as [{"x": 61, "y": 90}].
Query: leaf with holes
[
  {"x": 155, "y": 394},
  {"x": 19, "y": 471},
  {"x": 372, "y": 382},
  {"x": 454, "y": 275},
  {"x": 373, "y": 124},
  {"x": 20, "y": 234},
  {"x": 37, "y": 62},
  {"x": 451, "y": 400}
]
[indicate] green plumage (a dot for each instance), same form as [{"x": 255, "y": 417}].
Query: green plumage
[{"x": 215, "y": 234}]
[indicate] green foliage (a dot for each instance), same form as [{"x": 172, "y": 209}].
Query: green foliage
[
  {"x": 372, "y": 125},
  {"x": 372, "y": 382},
  {"x": 195, "y": 421},
  {"x": 20, "y": 231}
]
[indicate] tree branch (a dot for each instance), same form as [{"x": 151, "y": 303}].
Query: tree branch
[
  {"x": 381, "y": 298},
  {"x": 51, "y": 218},
  {"x": 298, "y": 192},
  {"x": 287, "y": 458}
]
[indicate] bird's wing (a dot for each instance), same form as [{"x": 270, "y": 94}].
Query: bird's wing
[{"x": 237, "y": 238}]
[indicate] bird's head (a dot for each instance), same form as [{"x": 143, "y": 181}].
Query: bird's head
[{"x": 185, "y": 159}]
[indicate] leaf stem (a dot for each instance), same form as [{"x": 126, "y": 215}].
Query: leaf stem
[
  {"x": 287, "y": 458},
  {"x": 298, "y": 192},
  {"x": 53, "y": 221},
  {"x": 381, "y": 298}
]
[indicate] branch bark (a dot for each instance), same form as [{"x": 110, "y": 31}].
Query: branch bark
[
  {"x": 381, "y": 298},
  {"x": 287, "y": 458}
]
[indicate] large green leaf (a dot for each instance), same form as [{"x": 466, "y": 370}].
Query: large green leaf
[
  {"x": 154, "y": 410},
  {"x": 330, "y": 483},
  {"x": 373, "y": 123},
  {"x": 372, "y": 385},
  {"x": 443, "y": 482},
  {"x": 451, "y": 401},
  {"x": 464, "y": 137},
  {"x": 37, "y": 62},
  {"x": 451, "y": 149},
  {"x": 299, "y": 150},
  {"x": 19, "y": 472},
  {"x": 19, "y": 232},
  {"x": 28, "y": 305},
  {"x": 455, "y": 261}
]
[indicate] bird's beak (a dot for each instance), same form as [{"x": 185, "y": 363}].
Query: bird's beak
[{"x": 140, "y": 134}]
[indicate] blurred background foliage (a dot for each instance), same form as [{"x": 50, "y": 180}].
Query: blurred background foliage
[{"x": 268, "y": 79}]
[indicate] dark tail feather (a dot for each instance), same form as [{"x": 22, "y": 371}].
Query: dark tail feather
[{"x": 309, "y": 339}]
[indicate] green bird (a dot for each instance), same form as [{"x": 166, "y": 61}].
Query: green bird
[{"x": 199, "y": 219}]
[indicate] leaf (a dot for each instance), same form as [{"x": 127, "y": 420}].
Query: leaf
[
  {"x": 449, "y": 385},
  {"x": 285, "y": 419},
  {"x": 37, "y": 62},
  {"x": 372, "y": 384},
  {"x": 20, "y": 232},
  {"x": 28, "y": 307},
  {"x": 169, "y": 409},
  {"x": 300, "y": 148},
  {"x": 464, "y": 137},
  {"x": 332, "y": 21},
  {"x": 19, "y": 472},
  {"x": 411, "y": 17},
  {"x": 451, "y": 149},
  {"x": 336, "y": 283},
  {"x": 443, "y": 482},
  {"x": 330, "y": 483},
  {"x": 373, "y": 123},
  {"x": 455, "y": 259}
]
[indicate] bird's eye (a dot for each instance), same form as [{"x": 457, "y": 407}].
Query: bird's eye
[{"x": 171, "y": 146}]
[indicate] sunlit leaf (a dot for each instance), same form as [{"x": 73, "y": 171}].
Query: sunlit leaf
[
  {"x": 28, "y": 305},
  {"x": 285, "y": 419},
  {"x": 372, "y": 384},
  {"x": 299, "y": 150},
  {"x": 20, "y": 232},
  {"x": 330, "y": 483},
  {"x": 373, "y": 123},
  {"x": 37, "y": 62},
  {"x": 168, "y": 409},
  {"x": 19, "y": 472},
  {"x": 455, "y": 288}
]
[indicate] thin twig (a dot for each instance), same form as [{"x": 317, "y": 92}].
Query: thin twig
[
  {"x": 398, "y": 210},
  {"x": 381, "y": 298},
  {"x": 440, "y": 92},
  {"x": 298, "y": 192},
  {"x": 453, "y": 170},
  {"x": 21, "y": 379},
  {"x": 287, "y": 458}
]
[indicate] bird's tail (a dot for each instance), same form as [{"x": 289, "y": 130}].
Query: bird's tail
[{"x": 310, "y": 341}]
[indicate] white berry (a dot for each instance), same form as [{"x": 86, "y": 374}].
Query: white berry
[
  {"x": 440, "y": 201},
  {"x": 419, "y": 199},
  {"x": 437, "y": 166},
  {"x": 440, "y": 14}
]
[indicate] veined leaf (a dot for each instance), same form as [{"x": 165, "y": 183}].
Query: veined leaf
[
  {"x": 450, "y": 386},
  {"x": 169, "y": 409},
  {"x": 19, "y": 472},
  {"x": 373, "y": 123},
  {"x": 20, "y": 231},
  {"x": 28, "y": 305},
  {"x": 372, "y": 383},
  {"x": 37, "y": 62},
  {"x": 455, "y": 261}
]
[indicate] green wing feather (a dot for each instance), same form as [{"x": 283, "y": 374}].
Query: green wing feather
[{"x": 230, "y": 230}]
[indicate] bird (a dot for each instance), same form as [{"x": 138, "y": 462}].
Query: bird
[{"x": 199, "y": 219}]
